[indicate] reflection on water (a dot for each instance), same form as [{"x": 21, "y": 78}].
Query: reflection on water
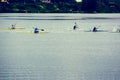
[
  {"x": 52, "y": 73},
  {"x": 61, "y": 54}
]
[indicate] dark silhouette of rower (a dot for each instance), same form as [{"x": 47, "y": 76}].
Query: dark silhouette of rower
[
  {"x": 75, "y": 26},
  {"x": 36, "y": 30},
  {"x": 94, "y": 29},
  {"x": 13, "y": 26}
]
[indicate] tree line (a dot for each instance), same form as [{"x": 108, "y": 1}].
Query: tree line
[{"x": 61, "y": 6}]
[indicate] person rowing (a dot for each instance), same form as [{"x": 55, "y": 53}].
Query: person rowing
[
  {"x": 13, "y": 26},
  {"x": 75, "y": 26},
  {"x": 95, "y": 29},
  {"x": 36, "y": 30},
  {"x": 116, "y": 29}
]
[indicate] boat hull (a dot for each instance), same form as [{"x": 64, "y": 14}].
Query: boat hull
[{"x": 12, "y": 29}]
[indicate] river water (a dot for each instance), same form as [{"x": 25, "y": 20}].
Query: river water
[{"x": 61, "y": 54}]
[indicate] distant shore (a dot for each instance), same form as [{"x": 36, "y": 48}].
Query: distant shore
[{"x": 63, "y": 7}]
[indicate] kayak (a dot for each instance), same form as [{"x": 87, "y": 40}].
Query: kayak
[
  {"x": 114, "y": 32},
  {"x": 96, "y": 31},
  {"x": 18, "y": 28},
  {"x": 40, "y": 32}
]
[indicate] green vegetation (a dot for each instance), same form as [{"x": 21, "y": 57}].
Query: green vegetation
[{"x": 87, "y": 6}]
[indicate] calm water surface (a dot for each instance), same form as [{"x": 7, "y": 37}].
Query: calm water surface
[{"x": 61, "y": 54}]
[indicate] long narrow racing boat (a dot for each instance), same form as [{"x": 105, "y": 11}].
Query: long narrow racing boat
[
  {"x": 96, "y": 31},
  {"x": 17, "y": 28},
  {"x": 40, "y": 32}
]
